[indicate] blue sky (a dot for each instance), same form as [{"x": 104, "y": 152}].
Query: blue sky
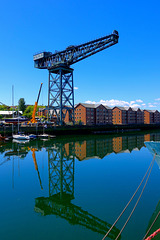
[{"x": 127, "y": 73}]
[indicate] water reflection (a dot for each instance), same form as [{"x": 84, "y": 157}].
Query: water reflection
[
  {"x": 61, "y": 159},
  {"x": 154, "y": 148},
  {"x": 154, "y": 222},
  {"x": 101, "y": 147},
  {"x": 61, "y": 168},
  {"x": 33, "y": 150},
  {"x": 91, "y": 147}
]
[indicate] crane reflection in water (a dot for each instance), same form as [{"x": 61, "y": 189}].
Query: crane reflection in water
[
  {"x": 61, "y": 168},
  {"x": 61, "y": 161}
]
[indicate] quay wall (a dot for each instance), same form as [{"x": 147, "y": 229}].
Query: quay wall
[{"x": 76, "y": 130}]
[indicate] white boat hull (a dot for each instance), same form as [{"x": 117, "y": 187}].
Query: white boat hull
[
  {"x": 21, "y": 137},
  {"x": 44, "y": 136}
]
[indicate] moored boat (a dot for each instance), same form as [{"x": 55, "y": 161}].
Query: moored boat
[
  {"x": 43, "y": 136},
  {"x": 21, "y": 137},
  {"x": 32, "y": 136},
  {"x": 154, "y": 148},
  {"x": 15, "y": 120}
]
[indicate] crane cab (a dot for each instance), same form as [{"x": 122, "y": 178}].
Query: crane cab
[{"x": 41, "y": 55}]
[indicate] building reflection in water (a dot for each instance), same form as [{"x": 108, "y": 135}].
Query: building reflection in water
[
  {"x": 61, "y": 167},
  {"x": 101, "y": 147},
  {"x": 61, "y": 158}
]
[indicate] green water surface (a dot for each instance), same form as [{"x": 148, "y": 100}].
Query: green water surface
[{"x": 76, "y": 187}]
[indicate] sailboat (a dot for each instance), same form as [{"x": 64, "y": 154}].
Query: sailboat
[{"x": 20, "y": 136}]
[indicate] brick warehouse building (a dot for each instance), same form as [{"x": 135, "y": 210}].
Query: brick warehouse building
[
  {"x": 139, "y": 115},
  {"x": 85, "y": 113},
  {"x": 151, "y": 116},
  {"x": 90, "y": 114},
  {"x": 99, "y": 114},
  {"x": 127, "y": 115},
  {"x": 119, "y": 115},
  {"x": 103, "y": 115}
]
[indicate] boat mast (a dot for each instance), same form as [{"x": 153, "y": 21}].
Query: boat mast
[
  {"x": 12, "y": 106},
  {"x": 13, "y": 99},
  {"x": 18, "y": 119}
]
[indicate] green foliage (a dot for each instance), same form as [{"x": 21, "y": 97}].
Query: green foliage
[
  {"x": 12, "y": 109},
  {"x": 3, "y": 108},
  {"x": 42, "y": 118},
  {"x": 28, "y": 112},
  {"x": 21, "y": 104},
  {"x": 79, "y": 122},
  {"x": 38, "y": 107},
  {"x": 1, "y": 116}
]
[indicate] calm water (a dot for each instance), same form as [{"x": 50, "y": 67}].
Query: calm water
[{"x": 75, "y": 188}]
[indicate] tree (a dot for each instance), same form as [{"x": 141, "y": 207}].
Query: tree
[
  {"x": 4, "y": 108},
  {"x": 21, "y": 104},
  {"x": 28, "y": 112}
]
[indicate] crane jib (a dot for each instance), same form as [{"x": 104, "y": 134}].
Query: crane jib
[{"x": 73, "y": 54}]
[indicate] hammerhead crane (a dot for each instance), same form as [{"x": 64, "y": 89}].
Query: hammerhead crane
[{"x": 60, "y": 82}]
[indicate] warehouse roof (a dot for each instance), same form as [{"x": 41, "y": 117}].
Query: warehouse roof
[
  {"x": 90, "y": 105},
  {"x": 86, "y": 105},
  {"x": 121, "y": 108},
  {"x": 151, "y": 111},
  {"x": 9, "y": 112}
]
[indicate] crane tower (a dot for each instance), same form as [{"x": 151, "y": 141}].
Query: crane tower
[{"x": 60, "y": 81}]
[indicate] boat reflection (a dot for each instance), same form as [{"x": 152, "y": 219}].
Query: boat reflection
[
  {"x": 154, "y": 148},
  {"x": 83, "y": 148},
  {"x": 61, "y": 159},
  {"x": 20, "y": 141},
  {"x": 154, "y": 222},
  {"x": 62, "y": 154}
]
